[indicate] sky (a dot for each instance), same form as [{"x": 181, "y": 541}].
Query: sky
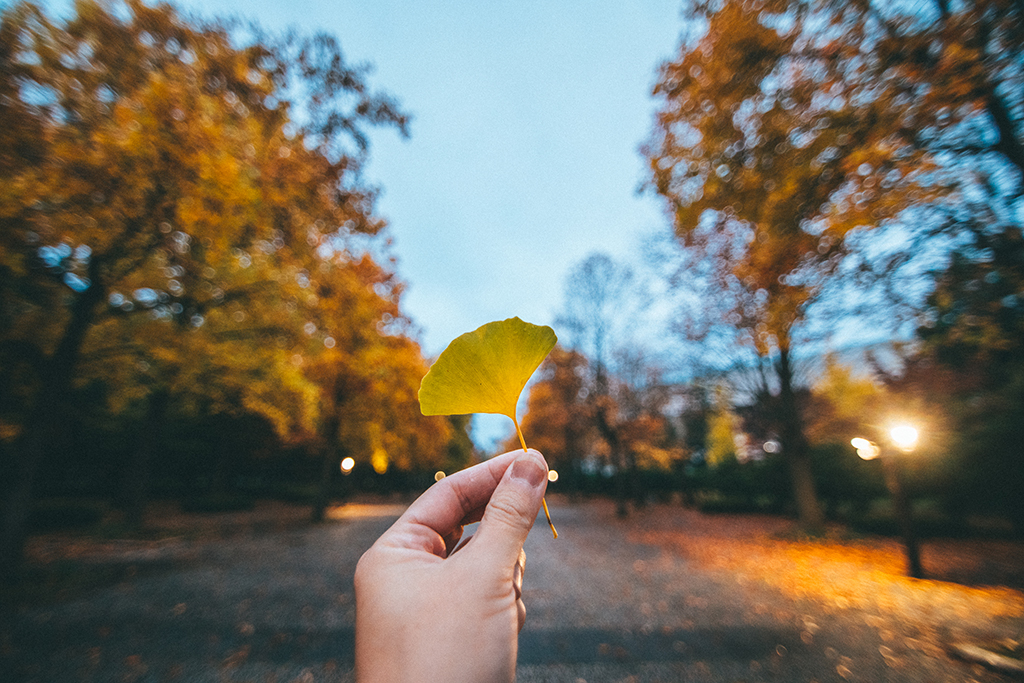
[{"x": 523, "y": 156}]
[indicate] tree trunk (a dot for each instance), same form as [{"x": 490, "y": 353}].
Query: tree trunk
[
  {"x": 573, "y": 459},
  {"x": 329, "y": 460},
  {"x": 138, "y": 474},
  {"x": 611, "y": 436},
  {"x": 794, "y": 448},
  {"x": 44, "y": 420}
]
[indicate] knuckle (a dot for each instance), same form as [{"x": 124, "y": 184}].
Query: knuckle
[{"x": 505, "y": 511}]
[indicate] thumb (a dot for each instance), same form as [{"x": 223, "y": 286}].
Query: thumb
[{"x": 513, "y": 507}]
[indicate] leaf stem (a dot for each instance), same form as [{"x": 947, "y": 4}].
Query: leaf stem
[
  {"x": 519, "y": 433},
  {"x": 554, "y": 531}
]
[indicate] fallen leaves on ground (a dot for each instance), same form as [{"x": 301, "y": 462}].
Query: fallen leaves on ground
[{"x": 866, "y": 574}]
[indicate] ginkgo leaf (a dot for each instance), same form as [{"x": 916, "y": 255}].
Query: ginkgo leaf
[{"x": 484, "y": 371}]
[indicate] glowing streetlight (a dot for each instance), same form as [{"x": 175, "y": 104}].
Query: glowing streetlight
[
  {"x": 439, "y": 475},
  {"x": 347, "y": 464},
  {"x": 552, "y": 475},
  {"x": 904, "y": 436}
]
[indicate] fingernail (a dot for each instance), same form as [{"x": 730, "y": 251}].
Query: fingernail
[{"x": 529, "y": 470}]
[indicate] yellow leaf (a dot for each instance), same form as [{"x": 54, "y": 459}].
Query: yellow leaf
[{"x": 484, "y": 371}]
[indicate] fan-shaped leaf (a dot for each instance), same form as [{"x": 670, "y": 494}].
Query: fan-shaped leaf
[{"x": 484, "y": 371}]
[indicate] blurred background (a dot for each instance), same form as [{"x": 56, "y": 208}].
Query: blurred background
[{"x": 759, "y": 229}]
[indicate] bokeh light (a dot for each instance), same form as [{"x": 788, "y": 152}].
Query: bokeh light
[
  {"x": 904, "y": 436},
  {"x": 865, "y": 449}
]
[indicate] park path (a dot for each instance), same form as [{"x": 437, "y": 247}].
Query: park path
[
  {"x": 610, "y": 600},
  {"x": 644, "y": 600}
]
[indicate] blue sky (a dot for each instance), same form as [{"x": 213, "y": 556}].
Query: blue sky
[{"x": 523, "y": 154}]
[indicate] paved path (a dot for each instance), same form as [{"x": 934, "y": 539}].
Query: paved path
[{"x": 278, "y": 607}]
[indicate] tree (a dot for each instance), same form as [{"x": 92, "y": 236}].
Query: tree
[
  {"x": 642, "y": 398},
  {"x": 966, "y": 59},
  {"x": 775, "y": 145},
  {"x": 723, "y": 428},
  {"x": 461, "y": 451},
  {"x": 604, "y": 302},
  {"x": 599, "y": 300},
  {"x": 974, "y": 317},
  {"x": 159, "y": 368},
  {"x": 970, "y": 370},
  {"x": 958, "y": 66},
  {"x": 558, "y": 420},
  {"x": 369, "y": 372},
  {"x": 165, "y": 166},
  {"x": 845, "y": 405}
]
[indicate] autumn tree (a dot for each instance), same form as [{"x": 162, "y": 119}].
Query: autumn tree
[
  {"x": 723, "y": 428},
  {"x": 643, "y": 397},
  {"x": 237, "y": 364},
  {"x": 773, "y": 147},
  {"x": 166, "y": 168},
  {"x": 623, "y": 395},
  {"x": 368, "y": 368},
  {"x": 557, "y": 420}
]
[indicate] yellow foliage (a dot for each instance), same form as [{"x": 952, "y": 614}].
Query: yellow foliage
[
  {"x": 650, "y": 457},
  {"x": 723, "y": 426},
  {"x": 850, "y": 396}
]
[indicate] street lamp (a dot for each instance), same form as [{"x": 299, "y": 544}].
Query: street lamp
[{"x": 904, "y": 437}]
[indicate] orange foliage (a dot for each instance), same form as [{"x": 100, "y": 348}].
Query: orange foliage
[
  {"x": 557, "y": 418},
  {"x": 764, "y": 174}
]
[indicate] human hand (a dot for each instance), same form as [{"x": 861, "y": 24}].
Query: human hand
[{"x": 427, "y": 613}]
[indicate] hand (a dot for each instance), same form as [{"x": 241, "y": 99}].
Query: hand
[{"x": 427, "y": 613}]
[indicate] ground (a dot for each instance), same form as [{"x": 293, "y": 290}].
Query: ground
[{"x": 666, "y": 595}]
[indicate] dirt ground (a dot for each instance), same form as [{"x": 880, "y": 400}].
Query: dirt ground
[
  {"x": 668, "y": 594},
  {"x": 972, "y": 593}
]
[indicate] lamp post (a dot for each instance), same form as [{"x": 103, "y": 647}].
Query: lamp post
[{"x": 904, "y": 437}]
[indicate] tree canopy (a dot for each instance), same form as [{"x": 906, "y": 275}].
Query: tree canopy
[
  {"x": 182, "y": 213},
  {"x": 808, "y": 148}
]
